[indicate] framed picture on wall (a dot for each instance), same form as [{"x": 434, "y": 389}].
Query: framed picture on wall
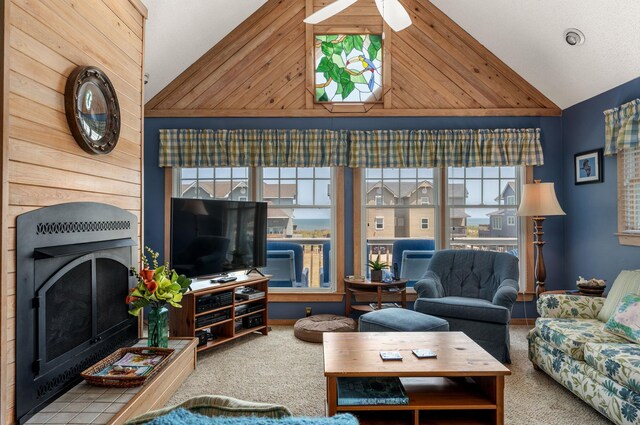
[{"x": 588, "y": 167}]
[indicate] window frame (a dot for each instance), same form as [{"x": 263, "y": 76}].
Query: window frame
[
  {"x": 497, "y": 222},
  {"x": 441, "y": 223},
  {"x": 379, "y": 225},
  {"x": 335, "y": 291},
  {"x": 625, "y": 237}
]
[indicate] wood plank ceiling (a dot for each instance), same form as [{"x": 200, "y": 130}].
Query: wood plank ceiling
[{"x": 265, "y": 68}]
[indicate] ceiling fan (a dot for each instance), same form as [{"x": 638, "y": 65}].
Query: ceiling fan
[{"x": 393, "y": 13}]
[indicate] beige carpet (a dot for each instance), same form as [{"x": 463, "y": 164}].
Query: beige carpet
[{"x": 282, "y": 369}]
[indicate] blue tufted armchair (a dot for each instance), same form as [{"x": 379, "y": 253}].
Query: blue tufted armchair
[{"x": 474, "y": 291}]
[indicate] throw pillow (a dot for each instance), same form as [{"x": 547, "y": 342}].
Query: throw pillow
[
  {"x": 625, "y": 321},
  {"x": 627, "y": 282}
]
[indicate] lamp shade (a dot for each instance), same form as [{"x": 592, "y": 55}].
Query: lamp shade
[{"x": 539, "y": 199}]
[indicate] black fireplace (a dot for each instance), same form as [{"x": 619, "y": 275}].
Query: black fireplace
[{"x": 73, "y": 277}]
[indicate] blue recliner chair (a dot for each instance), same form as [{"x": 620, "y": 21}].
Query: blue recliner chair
[
  {"x": 412, "y": 257},
  {"x": 475, "y": 292},
  {"x": 325, "y": 271},
  {"x": 285, "y": 264}
]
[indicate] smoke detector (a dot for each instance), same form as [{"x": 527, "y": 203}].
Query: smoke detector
[{"x": 573, "y": 37}]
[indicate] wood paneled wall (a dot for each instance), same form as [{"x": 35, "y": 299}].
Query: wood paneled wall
[
  {"x": 41, "y": 162},
  {"x": 265, "y": 67}
]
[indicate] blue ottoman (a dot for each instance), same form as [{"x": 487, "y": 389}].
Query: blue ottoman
[{"x": 401, "y": 320}]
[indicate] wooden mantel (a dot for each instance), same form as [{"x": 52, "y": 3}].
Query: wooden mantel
[{"x": 265, "y": 68}]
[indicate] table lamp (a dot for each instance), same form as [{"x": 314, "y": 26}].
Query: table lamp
[{"x": 539, "y": 200}]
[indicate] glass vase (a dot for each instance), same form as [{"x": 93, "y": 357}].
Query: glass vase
[{"x": 158, "y": 327}]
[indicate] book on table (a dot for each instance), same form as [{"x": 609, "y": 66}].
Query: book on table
[
  {"x": 384, "y": 305},
  {"x": 365, "y": 391}
]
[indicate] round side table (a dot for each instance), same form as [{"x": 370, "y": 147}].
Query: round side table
[{"x": 365, "y": 286}]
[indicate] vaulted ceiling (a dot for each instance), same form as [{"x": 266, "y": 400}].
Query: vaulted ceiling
[{"x": 526, "y": 35}]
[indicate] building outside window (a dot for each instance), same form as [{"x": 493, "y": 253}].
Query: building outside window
[{"x": 404, "y": 191}]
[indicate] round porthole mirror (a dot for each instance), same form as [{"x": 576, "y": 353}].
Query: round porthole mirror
[{"x": 92, "y": 110}]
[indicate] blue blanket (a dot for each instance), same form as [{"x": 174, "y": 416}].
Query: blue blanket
[{"x": 184, "y": 417}]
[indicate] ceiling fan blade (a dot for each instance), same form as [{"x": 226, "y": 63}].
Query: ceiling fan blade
[
  {"x": 328, "y": 11},
  {"x": 394, "y": 14}
]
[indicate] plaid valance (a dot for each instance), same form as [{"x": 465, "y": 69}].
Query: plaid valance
[
  {"x": 621, "y": 127},
  {"x": 327, "y": 148},
  {"x": 445, "y": 148},
  {"x": 252, "y": 148}
]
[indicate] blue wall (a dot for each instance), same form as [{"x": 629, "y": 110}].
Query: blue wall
[
  {"x": 550, "y": 172},
  {"x": 591, "y": 248}
]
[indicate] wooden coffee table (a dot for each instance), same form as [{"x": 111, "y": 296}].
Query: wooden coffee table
[{"x": 465, "y": 384}]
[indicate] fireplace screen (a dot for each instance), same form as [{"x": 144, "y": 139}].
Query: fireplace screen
[
  {"x": 112, "y": 309},
  {"x": 68, "y": 311}
]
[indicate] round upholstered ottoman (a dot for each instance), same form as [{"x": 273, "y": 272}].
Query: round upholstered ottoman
[{"x": 311, "y": 328}]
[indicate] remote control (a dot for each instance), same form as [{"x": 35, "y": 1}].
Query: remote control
[{"x": 227, "y": 279}]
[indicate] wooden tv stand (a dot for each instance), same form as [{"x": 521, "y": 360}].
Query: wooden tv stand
[{"x": 220, "y": 321}]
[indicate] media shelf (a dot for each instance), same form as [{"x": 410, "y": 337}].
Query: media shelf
[{"x": 209, "y": 311}]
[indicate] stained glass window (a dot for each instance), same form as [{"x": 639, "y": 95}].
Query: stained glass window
[{"x": 348, "y": 68}]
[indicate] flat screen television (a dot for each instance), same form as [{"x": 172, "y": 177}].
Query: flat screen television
[{"x": 212, "y": 237}]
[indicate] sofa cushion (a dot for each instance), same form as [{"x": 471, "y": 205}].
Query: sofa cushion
[
  {"x": 570, "y": 335},
  {"x": 620, "y": 362},
  {"x": 627, "y": 282},
  {"x": 625, "y": 321},
  {"x": 475, "y": 309}
]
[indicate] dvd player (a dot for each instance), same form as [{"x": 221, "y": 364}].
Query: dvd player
[
  {"x": 212, "y": 301},
  {"x": 211, "y": 318}
]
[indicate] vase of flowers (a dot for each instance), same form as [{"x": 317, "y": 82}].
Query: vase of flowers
[
  {"x": 376, "y": 269},
  {"x": 157, "y": 287}
]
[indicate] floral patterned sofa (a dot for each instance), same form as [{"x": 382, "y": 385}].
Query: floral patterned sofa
[{"x": 570, "y": 344}]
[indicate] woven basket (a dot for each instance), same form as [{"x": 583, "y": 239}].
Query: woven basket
[{"x": 90, "y": 376}]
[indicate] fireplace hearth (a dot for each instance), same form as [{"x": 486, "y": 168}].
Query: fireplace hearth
[{"x": 73, "y": 276}]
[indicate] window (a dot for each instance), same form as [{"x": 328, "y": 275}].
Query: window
[
  {"x": 379, "y": 200},
  {"x": 473, "y": 201},
  {"x": 213, "y": 183},
  {"x": 629, "y": 197},
  {"x": 348, "y": 68},
  {"x": 404, "y": 211},
  {"x": 300, "y": 210}
]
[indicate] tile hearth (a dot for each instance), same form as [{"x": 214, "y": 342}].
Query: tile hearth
[{"x": 87, "y": 404}]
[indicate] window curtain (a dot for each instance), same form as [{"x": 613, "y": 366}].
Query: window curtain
[
  {"x": 328, "y": 148},
  {"x": 252, "y": 148},
  {"x": 445, "y": 148},
  {"x": 622, "y": 126}
]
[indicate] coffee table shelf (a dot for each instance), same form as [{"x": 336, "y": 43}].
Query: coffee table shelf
[{"x": 465, "y": 384}]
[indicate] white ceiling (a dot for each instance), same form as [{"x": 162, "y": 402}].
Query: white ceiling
[{"x": 525, "y": 34}]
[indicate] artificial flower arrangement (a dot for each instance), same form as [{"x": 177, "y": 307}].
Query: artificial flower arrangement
[{"x": 156, "y": 287}]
